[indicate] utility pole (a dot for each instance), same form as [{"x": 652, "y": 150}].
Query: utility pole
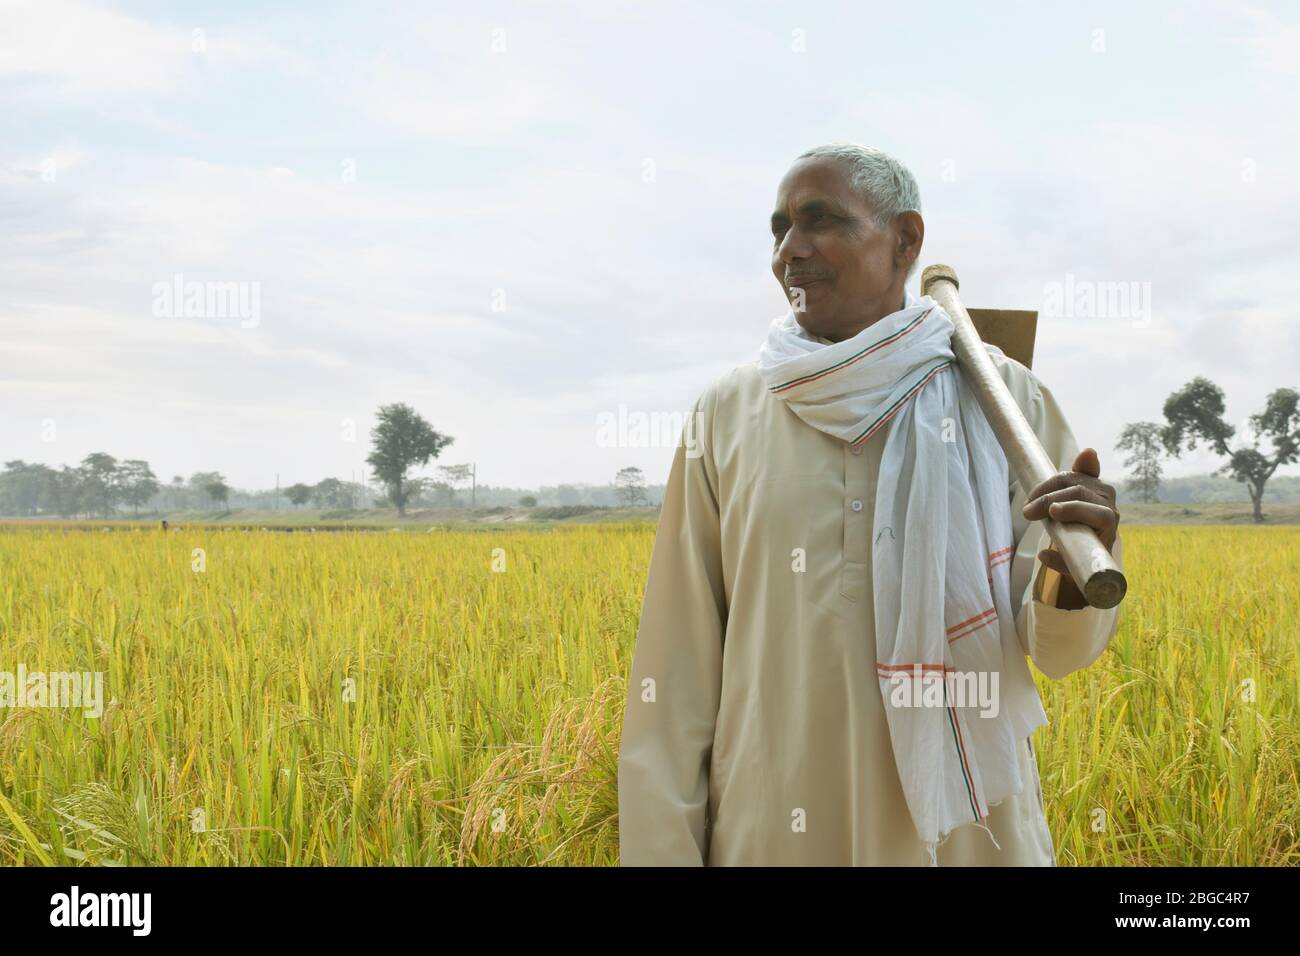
[{"x": 473, "y": 483}]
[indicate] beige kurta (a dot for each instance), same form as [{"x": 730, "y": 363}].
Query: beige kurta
[{"x": 755, "y": 733}]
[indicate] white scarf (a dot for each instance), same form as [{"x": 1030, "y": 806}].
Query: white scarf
[{"x": 941, "y": 560}]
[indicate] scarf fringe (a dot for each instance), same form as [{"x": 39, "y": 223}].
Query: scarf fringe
[{"x": 932, "y": 847}]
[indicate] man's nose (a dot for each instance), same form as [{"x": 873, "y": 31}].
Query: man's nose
[{"x": 793, "y": 246}]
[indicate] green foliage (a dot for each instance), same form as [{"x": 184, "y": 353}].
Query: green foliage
[
  {"x": 401, "y": 440},
  {"x": 298, "y": 494},
  {"x": 1195, "y": 412}
]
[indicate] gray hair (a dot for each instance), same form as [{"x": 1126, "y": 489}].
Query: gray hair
[
  {"x": 885, "y": 184},
  {"x": 881, "y": 180}
]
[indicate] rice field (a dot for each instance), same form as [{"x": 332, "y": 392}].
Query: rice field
[{"x": 454, "y": 698}]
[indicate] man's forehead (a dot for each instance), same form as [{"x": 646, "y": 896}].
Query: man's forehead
[{"x": 813, "y": 182}]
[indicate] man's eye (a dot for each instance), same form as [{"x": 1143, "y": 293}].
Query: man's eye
[{"x": 817, "y": 219}]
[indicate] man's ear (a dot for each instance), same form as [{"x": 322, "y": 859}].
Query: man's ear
[{"x": 910, "y": 229}]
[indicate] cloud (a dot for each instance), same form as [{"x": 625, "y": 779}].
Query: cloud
[
  {"x": 84, "y": 51},
  {"x": 82, "y": 48},
  {"x": 464, "y": 97},
  {"x": 528, "y": 236},
  {"x": 1270, "y": 41}
]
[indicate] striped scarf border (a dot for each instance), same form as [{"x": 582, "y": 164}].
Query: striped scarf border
[{"x": 887, "y": 340}]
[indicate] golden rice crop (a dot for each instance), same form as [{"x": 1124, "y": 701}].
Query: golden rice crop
[{"x": 455, "y": 698}]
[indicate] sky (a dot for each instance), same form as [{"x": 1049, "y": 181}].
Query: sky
[{"x": 528, "y": 220}]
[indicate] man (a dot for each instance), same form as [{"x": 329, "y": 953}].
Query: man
[{"x": 813, "y": 561}]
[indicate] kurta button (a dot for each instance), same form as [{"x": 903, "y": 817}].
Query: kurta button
[
  {"x": 856, "y": 505},
  {"x": 857, "y": 449}
]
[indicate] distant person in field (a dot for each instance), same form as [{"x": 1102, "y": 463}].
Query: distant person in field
[{"x": 831, "y": 667}]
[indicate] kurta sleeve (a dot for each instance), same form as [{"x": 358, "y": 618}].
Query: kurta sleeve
[
  {"x": 676, "y": 679},
  {"x": 1058, "y": 641}
]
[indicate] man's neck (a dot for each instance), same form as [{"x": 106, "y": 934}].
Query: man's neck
[{"x": 866, "y": 325}]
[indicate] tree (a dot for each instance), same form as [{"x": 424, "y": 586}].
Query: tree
[
  {"x": 67, "y": 492},
  {"x": 631, "y": 486},
  {"x": 421, "y": 489},
  {"x": 177, "y": 492},
  {"x": 201, "y": 479},
  {"x": 1142, "y": 439},
  {"x": 454, "y": 476},
  {"x": 441, "y": 489},
  {"x": 401, "y": 440},
  {"x": 354, "y": 494},
  {"x": 139, "y": 483},
  {"x": 24, "y": 488},
  {"x": 298, "y": 494},
  {"x": 102, "y": 481},
  {"x": 215, "y": 487},
  {"x": 528, "y": 501},
  {"x": 332, "y": 493},
  {"x": 1196, "y": 413}
]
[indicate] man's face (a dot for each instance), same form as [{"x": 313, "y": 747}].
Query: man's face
[{"x": 840, "y": 271}]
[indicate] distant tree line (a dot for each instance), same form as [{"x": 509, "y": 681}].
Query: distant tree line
[
  {"x": 99, "y": 486},
  {"x": 1195, "y": 413},
  {"x": 103, "y": 487},
  {"x": 1211, "y": 489},
  {"x": 33, "y": 490}
]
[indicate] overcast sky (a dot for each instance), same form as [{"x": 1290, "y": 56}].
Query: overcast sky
[{"x": 520, "y": 218}]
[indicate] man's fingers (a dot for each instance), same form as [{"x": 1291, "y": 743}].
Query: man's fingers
[
  {"x": 1067, "y": 479},
  {"x": 1087, "y": 462},
  {"x": 1062, "y": 479},
  {"x": 1053, "y": 560},
  {"x": 1098, "y": 517},
  {"x": 1037, "y": 509}
]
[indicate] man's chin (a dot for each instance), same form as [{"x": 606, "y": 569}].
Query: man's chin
[{"x": 813, "y": 327}]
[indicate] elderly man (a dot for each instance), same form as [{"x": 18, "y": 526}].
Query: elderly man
[{"x": 833, "y": 524}]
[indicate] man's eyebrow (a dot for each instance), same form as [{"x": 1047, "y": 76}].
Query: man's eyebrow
[{"x": 811, "y": 207}]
